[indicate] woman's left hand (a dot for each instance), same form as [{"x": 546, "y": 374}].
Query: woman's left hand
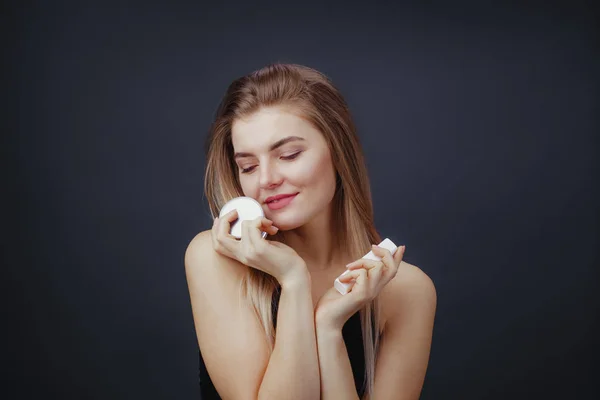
[{"x": 334, "y": 309}]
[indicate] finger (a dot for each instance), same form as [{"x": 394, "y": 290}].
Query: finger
[
  {"x": 213, "y": 231},
  {"x": 399, "y": 254},
  {"x": 272, "y": 230},
  {"x": 230, "y": 216},
  {"x": 360, "y": 286},
  {"x": 260, "y": 224},
  {"x": 363, "y": 263},
  {"x": 348, "y": 275},
  {"x": 392, "y": 272},
  {"x": 375, "y": 274},
  {"x": 267, "y": 226},
  {"x": 225, "y": 241},
  {"x": 254, "y": 229},
  {"x": 225, "y": 224},
  {"x": 215, "y": 227},
  {"x": 220, "y": 245},
  {"x": 252, "y": 235},
  {"x": 385, "y": 255},
  {"x": 362, "y": 276},
  {"x": 246, "y": 254},
  {"x": 353, "y": 274},
  {"x": 248, "y": 232}
]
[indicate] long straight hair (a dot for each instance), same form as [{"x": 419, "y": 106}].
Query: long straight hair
[{"x": 311, "y": 95}]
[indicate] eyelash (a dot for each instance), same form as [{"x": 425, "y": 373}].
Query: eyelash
[{"x": 290, "y": 157}]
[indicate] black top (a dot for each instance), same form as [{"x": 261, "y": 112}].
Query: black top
[{"x": 351, "y": 333}]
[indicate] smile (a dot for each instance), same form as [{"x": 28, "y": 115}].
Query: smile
[{"x": 280, "y": 203}]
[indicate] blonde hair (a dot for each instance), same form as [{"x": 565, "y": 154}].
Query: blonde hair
[{"x": 311, "y": 95}]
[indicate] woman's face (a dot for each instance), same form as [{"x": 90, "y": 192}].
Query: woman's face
[{"x": 279, "y": 153}]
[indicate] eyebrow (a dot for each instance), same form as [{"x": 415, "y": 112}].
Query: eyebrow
[{"x": 275, "y": 145}]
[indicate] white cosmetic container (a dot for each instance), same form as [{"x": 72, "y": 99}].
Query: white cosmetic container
[
  {"x": 344, "y": 288},
  {"x": 247, "y": 209}
]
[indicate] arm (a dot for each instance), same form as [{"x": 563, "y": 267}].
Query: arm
[
  {"x": 293, "y": 369},
  {"x": 232, "y": 341},
  {"x": 337, "y": 380},
  {"x": 409, "y": 300},
  {"x": 406, "y": 343}
]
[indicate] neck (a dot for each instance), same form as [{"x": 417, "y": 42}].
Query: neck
[{"x": 315, "y": 243}]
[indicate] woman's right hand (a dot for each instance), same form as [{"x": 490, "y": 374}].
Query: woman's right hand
[{"x": 274, "y": 258}]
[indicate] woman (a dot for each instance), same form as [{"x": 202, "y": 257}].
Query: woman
[{"x": 269, "y": 323}]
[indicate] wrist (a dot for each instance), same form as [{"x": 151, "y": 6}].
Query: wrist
[
  {"x": 326, "y": 326},
  {"x": 328, "y": 332},
  {"x": 298, "y": 276}
]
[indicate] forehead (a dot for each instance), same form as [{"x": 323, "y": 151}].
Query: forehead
[{"x": 267, "y": 125}]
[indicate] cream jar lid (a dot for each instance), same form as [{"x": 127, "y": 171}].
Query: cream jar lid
[{"x": 247, "y": 208}]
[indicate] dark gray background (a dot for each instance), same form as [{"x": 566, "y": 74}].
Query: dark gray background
[{"x": 478, "y": 122}]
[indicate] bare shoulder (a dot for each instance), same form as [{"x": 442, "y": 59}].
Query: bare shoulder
[
  {"x": 201, "y": 258},
  {"x": 210, "y": 275},
  {"x": 410, "y": 290},
  {"x": 198, "y": 249},
  {"x": 413, "y": 279}
]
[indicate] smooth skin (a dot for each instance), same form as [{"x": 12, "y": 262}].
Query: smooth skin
[
  {"x": 309, "y": 360},
  {"x": 273, "y": 258},
  {"x": 229, "y": 334},
  {"x": 407, "y": 329}
]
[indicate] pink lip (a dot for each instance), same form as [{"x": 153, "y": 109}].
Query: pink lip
[
  {"x": 279, "y": 196},
  {"x": 282, "y": 202}
]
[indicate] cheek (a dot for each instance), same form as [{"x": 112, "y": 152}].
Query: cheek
[
  {"x": 317, "y": 172},
  {"x": 249, "y": 187}
]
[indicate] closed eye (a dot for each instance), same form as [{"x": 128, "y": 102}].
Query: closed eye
[{"x": 290, "y": 157}]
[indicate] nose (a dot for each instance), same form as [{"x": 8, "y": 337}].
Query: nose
[{"x": 269, "y": 177}]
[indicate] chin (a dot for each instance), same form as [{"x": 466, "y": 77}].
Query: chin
[{"x": 285, "y": 223}]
